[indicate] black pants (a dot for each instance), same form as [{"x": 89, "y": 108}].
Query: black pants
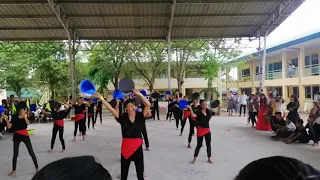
[
  {"x": 178, "y": 119},
  {"x": 55, "y": 130},
  {"x": 81, "y": 125},
  {"x": 302, "y": 139},
  {"x": 145, "y": 135},
  {"x": 191, "y": 132},
  {"x": 183, "y": 123},
  {"x": 3, "y": 126},
  {"x": 252, "y": 117},
  {"x": 199, "y": 145},
  {"x": 155, "y": 110},
  {"x": 17, "y": 138},
  {"x": 90, "y": 118},
  {"x": 169, "y": 114},
  {"x": 244, "y": 109},
  {"x": 137, "y": 158},
  {"x": 100, "y": 115}
]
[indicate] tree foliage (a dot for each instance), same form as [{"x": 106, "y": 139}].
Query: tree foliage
[
  {"x": 184, "y": 51},
  {"x": 146, "y": 59}
]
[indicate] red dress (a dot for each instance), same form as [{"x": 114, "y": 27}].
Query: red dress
[{"x": 262, "y": 115}]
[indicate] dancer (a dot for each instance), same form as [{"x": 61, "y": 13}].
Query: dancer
[
  {"x": 195, "y": 108},
  {"x": 58, "y": 123},
  {"x": 79, "y": 121},
  {"x": 18, "y": 125},
  {"x": 155, "y": 108},
  {"x": 263, "y": 123},
  {"x": 186, "y": 115},
  {"x": 252, "y": 112},
  {"x": 169, "y": 113},
  {"x": 131, "y": 126},
  {"x": 144, "y": 127},
  {"x": 91, "y": 113},
  {"x": 203, "y": 117},
  {"x": 99, "y": 111}
]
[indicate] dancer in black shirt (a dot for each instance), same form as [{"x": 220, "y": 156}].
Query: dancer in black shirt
[
  {"x": 203, "y": 117},
  {"x": 131, "y": 126}
]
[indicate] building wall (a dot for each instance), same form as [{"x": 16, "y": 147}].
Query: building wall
[
  {"x": 301, "y": 79},
  {"x": 3, "y": 94}
]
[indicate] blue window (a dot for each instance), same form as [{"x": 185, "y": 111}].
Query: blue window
[{"x": 295, "y": 62}]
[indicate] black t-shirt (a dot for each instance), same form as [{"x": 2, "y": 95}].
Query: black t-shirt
[
  {"x": 91, "y": 108},
  {"x": 60, "y": 115},
  {"x": 203, "y": 120},
  {"x": 156, "y": 103},
  {"x": 18, "y": 123},
  {"x": 301, "y": 130},
  {"x": 195, "y": 109},
  {"x": 129, "y": 129},
  {"x": 280, "y": 122},
  {"x": 79, "y": 109},
  {"x": 99, "y": 105}
]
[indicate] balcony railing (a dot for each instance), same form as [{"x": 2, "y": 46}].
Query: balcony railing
[
  {"x": 277, "y": 74},
  {"x": 311, "y": 70},
  {"x": 245, "y": 78},
  {"x": 292, "y": 72}
]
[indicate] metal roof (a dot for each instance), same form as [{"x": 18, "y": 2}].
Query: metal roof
[{"x": 22, "y": 20}]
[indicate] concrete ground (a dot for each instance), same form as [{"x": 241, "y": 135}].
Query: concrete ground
[{"x": 233, "y": 146}]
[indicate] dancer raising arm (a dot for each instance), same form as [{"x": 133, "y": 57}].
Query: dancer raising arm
[
  {"x": 58, "y": 123},
  {"x": 203, "y": 129},
  {"x": 19, "y": 125},
  {"x": 131, "y": 127}
]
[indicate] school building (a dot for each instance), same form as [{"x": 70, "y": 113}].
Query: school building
[{"x": 292, "y": 67}]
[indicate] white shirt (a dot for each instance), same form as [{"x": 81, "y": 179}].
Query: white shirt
[
  {"x": 279, "y": 107},
  {"x": 291, "y": 127},
  {"x": 243, "y": 99}
]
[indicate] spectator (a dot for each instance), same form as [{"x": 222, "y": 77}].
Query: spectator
[
  {"x": 314, "y": 123},
  {"x": 278, "y": 122},
  {"x": 243, "y": 103},
  {"x": 301, "y": 135},
  {"x": 284, "y": 132}
]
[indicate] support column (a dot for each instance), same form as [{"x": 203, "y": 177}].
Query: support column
[
  {"x": 284, "y": 61},
  {"x": 169, "y": 61},
  {"x": 301, "y": 73},
  {"x": 238, "y": 80},
  {"x": 72, "y": 62},
  {"x": 284, "y": 92},
  {"x": 219, "y": 85}
]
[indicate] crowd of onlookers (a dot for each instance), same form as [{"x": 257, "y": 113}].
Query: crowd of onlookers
[{"x": 274, "y": 115}]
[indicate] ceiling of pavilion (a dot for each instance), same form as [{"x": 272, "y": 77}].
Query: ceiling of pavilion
[{"x": 33, "y": 20}]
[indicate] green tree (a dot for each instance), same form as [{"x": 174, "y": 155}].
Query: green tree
[
  {"x": 147, "y": 60},
  {"x": 184, "y": 51},
  {"x": 217, "y": 57},
  {"x": 108, "y": 58}
]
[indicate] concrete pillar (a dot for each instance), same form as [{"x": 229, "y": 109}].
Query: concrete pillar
[
  {"x": 220, "y": 85},
  {"x": 238, "y": 80},
  {"x": 284, "y": 92},
  {"x": 301, "y": 69},
  {"x": 284, "y": 64}
]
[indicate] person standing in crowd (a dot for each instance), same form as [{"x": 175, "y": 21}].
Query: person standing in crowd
[
  {"x": 231, "y": 103},
  {"x": 169, "y": 112},
  {"x": 252, "y": 111},
  {"x": 18, "y": 125},
  {"x": 243, "y": 103},
  {"x": 79, "y": 121},
  {"x": 131, "y": 126},
  {"x": 3, "y": 123},
  {"x": 195, "y": 108},
  {"x": 203, "y": 129},
  {"x": 263, "y": 123},
  {"x": 293, "y": 107},
  {"x": 99, "y": 111},
  {"x": 155, "y": 108},
  {"x": 91, "y": 113}
]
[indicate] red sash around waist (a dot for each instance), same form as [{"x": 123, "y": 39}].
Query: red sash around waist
[
  {"x": 193, "y": 118},
  {"x": 186, "y": 114},
  {"x": 78, "y": 117},
  {"x": 59, "y": 122},
  {"x": 90, "y": 114},
  {"x": 23, "y": 132},
  {"x": 129, "y": 146},
  {"x": 84, "y": 111},
  {"x": 202, "y": 131},
  {"x": 97, "y": 109}
]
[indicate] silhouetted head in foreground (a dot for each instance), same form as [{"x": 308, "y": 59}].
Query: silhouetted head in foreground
[
  {"x": 278, "y": 167},
  {"x": 74, "y": 168}
]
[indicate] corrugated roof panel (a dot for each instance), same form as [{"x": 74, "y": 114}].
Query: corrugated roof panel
[
  {"x": 23, "y": 23},
  {"x": 42, "y": 9},
  {"x": 54, "y": 34}
]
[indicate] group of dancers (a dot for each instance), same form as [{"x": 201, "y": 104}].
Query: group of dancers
[{"x": 132, "y": 121}]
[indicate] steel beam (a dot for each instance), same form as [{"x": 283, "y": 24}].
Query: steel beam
[
  {"x": 277, "y": 13},
  {"x": 173, "y": 9}
]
